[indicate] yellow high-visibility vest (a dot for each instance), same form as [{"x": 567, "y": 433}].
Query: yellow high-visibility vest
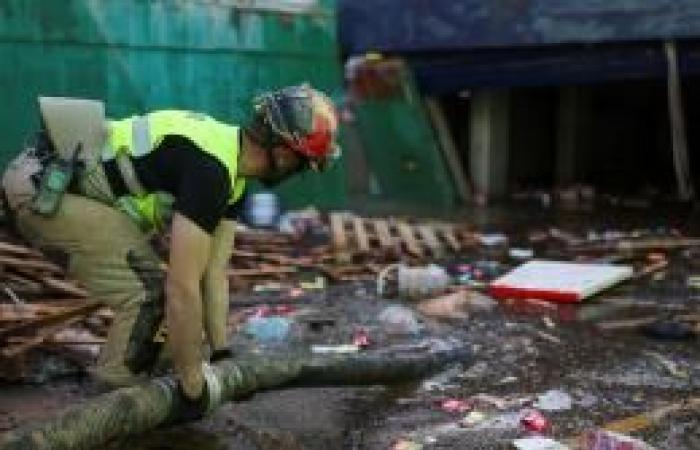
[{"x": 139, "y": 135}]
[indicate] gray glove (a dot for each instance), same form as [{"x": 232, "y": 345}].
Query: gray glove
[{"x": 187, "y": 410}]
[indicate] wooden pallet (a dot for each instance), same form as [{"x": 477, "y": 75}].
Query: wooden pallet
[{"x": 363, "y": 236}]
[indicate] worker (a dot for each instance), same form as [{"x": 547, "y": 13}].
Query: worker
[{"x": 92, "y": 192}]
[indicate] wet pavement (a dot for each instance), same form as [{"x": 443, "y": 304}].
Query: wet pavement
[{"x": 519, "y": 351}]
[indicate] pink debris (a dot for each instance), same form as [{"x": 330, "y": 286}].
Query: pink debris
[
  {"x": 361, "y": 338},
  {"x": 535, "y": 421},
  {"x": 608, "y": 440},
  {"x": 454, "y": 406}
]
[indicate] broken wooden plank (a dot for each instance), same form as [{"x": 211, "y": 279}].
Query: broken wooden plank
[
  {"x": 340, "y": 241},
  {"x": 58, "y": 342},
  {"x": 19, "y": 250},
  {"x": 448, "y": 233},
  {"x": 261, "y": 271},
  {"x": 657, "y": 243},
  {"x": 641, "y": 244},
  {"x": 640, "y": 422},
  {"x": 23, "y": 328},
  {"x": 64, "y": 286},
  {"x": 381, "y": 227},
  {"x": 29, "y": 311},
  {"x": 626, "y": 324},
  {"x": 651, "y": 268},
  {"x": 409, "y": 239},
  {"x": 449, "y": 148},
  {"x": 41, "y": 335},
  {"x": 361, "y": 235},
  {"x": 18, "y": 279},
  {"x": 428, "y": 234},
  {"x": 29, "y": 264}
]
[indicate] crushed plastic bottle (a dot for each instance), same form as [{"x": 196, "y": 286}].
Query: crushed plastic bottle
[
  {"x": 268, "y": 329},
  {"x": 554, "y": 400}
]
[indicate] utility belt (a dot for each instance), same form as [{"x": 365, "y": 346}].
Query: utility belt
[{"x": 60, "y": 171}]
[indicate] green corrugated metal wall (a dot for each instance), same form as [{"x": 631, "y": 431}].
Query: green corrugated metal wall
[
  {"x": 140, "y": 55},
  {"x": 403, "y": 153}
]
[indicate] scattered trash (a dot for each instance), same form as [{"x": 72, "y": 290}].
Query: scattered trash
[
  {"x": 361, "y": 338},
  {"x": 405, "y": 444},
  {"x": 654, "y": 269},
  {"x": 413, "y": 283},
  {"x": 399, "y": 320},
  {"x": 669, "y": 330},
  {"x": 609, "y": 440},
  {"x": 303, "y": 221},
  {"x": 480, "y": 302},
  {"x": 335, "y": 349},
  {"x": 318, "y": 284},
  {"x": 521, "y": 253},
  {"x": 538, "y": 443},
  {"x": 450, "y": 306},
  {"x": 454, "y": 406},
  {"x": 270, "y": 286},
  {"x": 473, "y": 418},
  {"x": 443, "y": 380},
  {"x": 262, "y": 209},
  {"x": 477, "y": 274},
  {"x": 275, "y": 310},
  {"x": 693, "y": 282},
  {"x": 504, "y": 421},
  {"x": 669, "y": 365},
  {"x": 508, "y": 380},
  {"x": 558, "y": 281},
  {"x": 587, "y": 400},
  {"x": 548, "y": 337},
  {"x": 296, "y": 292},
  {"x": 656, "y": 257},
  {"x": 548, "y": 322},
  {"x": 430, "y": 439},
  {"x": 456, "y": 305},
  {"x": 491, "y": 400},
  {"x": 554, "y": 400},
  {"x": 268, "y": 329},
  {"x": 535, "y": 421},
  {"x": 566, "y": 237},
  {"x": 478, "y": 370},
  {"x": 493, "y": 239}
]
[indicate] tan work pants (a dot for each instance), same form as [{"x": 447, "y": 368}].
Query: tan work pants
[{"x": 106, "y": 251}]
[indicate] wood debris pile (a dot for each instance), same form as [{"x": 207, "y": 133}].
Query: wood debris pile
[
  {"x": 40, "y": 307},
  {"x": 357, "y": 248}
]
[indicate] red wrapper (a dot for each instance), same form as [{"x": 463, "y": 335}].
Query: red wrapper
[
  {"x": 454, "y": 406},
  {"x": 535, "y": 421},
  {"x": 361, "y": 338}
]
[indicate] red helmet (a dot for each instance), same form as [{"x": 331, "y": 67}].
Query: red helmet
[{"x": 305, "y": 119}]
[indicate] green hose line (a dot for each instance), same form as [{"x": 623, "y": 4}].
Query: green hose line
[{"x": 136, "y": 409}]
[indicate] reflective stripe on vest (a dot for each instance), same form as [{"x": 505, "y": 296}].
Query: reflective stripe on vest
[{"x": 139, "y": 135}]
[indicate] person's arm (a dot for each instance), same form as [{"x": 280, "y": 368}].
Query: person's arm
[
  {"x": 190, "y": 250},
  {"x": 215, "y": 285}
]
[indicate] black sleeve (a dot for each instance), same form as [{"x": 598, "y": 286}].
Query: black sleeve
[
  {"x": 199, "y": 182},
  {"x": 236, "y": 210},
  {"x": 203, "y": 191}
]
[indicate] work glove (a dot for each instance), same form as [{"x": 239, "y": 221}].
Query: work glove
[
  {"x": 186, "y": 409},
  {"x": 222, "y": 353}
]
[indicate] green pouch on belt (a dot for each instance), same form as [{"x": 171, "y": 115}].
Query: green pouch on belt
[{"x": 55, "y": 179}]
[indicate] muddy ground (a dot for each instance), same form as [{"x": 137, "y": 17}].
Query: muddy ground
[{"x": 517, "y": 353}]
